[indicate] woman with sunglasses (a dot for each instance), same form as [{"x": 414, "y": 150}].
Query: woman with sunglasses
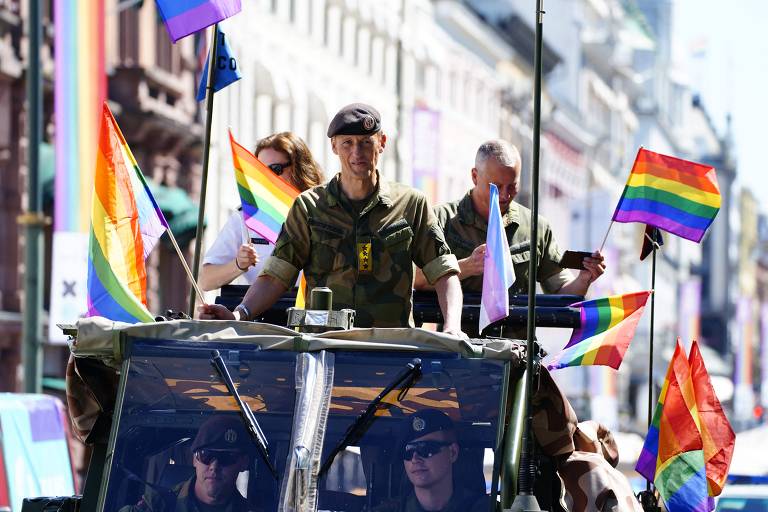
[{"x": 230, "y": 258}]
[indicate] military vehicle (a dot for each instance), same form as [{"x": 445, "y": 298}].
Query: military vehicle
[{"x": 324, "y": 409}]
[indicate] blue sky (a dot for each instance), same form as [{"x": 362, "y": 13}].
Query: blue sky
[{"x": 732, "y": 74}]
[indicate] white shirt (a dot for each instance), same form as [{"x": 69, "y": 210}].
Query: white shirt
[{"x": 230, "y": 238}]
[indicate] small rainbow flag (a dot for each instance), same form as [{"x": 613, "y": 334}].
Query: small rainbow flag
[
  {"x": 673, "y": 453},
  {"x": 126, "y": 224},
  {"x": 607, "y": 327},
  {"x": 266, "y": 197},
  {"x": 675, "y": 195},
  {"x": 184, "y": 17}
]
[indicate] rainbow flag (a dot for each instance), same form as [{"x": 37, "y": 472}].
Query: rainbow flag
[
  {"x": 265, "y": 196},
  {"x": 126, "y": 224},
  {"x": 675, "y": 195},
  {"x": 716, "y": 432},
  {"x": 301, "y": 293},
  {"x": 673, "y": 453},
  {"x": 80, "y": 88},
  {"x": 498, "y": 272},
  {"x": 184, "y": 17},
  {"x": 607, "y": 327}
]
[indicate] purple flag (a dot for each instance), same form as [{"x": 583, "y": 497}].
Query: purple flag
[
  {"x": 184, "y": 17},
  {"x": 498, "y": 273}
]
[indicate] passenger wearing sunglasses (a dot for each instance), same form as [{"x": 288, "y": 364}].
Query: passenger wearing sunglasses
[
  {"x": 220, "y": 451},
  {"x": 429, "y": 451},
  {"x": 238, "y": 254}
]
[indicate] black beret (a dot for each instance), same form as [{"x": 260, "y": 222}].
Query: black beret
[
  {"x": 424, "y": 422},
  {"x": 355, "y": 119},
  {"x": 222, "y": 432}
]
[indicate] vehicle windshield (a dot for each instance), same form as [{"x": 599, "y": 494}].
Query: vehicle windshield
[{"x": 172, "y": 391}]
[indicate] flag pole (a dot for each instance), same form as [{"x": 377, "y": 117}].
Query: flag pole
[
  {"x": 525, "y": 499},
  {"x": 206, "y": 158},
  {"x": 605, "y": 238},
  {"x": 195, "y": 287},
  {"x": 648, "y": 498}
]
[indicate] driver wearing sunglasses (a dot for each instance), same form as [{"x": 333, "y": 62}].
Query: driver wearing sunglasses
[
  {"x": 220, "y": 451},
  {"x": 429, "y": 452}
]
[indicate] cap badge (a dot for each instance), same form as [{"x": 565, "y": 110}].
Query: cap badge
[
  {"x": 230, "y": 436},
  {"x": 368, "y": 122},
  {"x": 419, "y": 424}
]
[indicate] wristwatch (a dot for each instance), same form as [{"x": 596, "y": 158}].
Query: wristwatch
[{"x": 245, "y": 313}]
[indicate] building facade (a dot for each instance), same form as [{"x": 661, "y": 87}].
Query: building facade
[{"x": 151, "y": 92}]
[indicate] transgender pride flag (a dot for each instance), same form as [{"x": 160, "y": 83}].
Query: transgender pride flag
[{"x": 498, "y": 274}]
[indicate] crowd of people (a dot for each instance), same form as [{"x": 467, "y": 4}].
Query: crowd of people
[{"x": 372, "y": 241}]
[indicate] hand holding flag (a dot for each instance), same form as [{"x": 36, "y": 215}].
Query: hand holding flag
[{"x": 498, "y": 273}]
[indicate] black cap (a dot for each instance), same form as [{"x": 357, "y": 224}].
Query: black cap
[
  {"x": 425, "y": 422},
  {"x": 355, "y": 119},
  {"x": 222, "y": 432}
]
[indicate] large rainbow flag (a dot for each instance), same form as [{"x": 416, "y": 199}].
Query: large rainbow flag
[
  {"x": 80, "y": 87},
  {"x": 184, "y": 17},
  {"x": 607, "y": 327},
  {"x": 265, "y": 196},
  {"x": 673, "y": 453},
  {"x": 675, "y": 195},
  {"x": 126, "y": 224}
]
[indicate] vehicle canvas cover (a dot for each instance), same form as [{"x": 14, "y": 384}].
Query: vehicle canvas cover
[{"x": 101, "y": 338}]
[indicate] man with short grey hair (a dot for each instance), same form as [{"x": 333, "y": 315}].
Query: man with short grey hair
[{"x": 465, "y": 223}]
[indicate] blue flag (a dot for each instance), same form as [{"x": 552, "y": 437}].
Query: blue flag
[{"x": 226, "y": 71}]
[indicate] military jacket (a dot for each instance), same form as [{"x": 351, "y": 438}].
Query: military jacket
[
  {"x": 464, "y": 230},
  {"x": 366, "y": 257},
  {"x": 181, "y": 499},
  {"x": 461, "y": 501}
]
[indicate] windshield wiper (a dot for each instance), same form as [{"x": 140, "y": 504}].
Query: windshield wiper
[
  {"x": 245, "y": 412},
  {"x": 407, "y": 378}
]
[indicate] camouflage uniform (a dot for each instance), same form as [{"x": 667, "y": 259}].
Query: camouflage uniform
[
  {"x": 461, "y": 501},
  {"x": 366, "y": 257},
  {"x": 590, "y": 475},
  {"x": 465, "y": 230},
  {"x": 183, "y": 500}
]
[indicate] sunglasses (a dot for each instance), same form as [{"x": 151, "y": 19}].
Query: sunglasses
[
  {"x": 225, "y": 457},
  {"x": 424, "y": 449},
  {"x": 279, "y": 168}
]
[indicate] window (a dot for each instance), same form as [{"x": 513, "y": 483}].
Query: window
[
  {"x": 129, "y": 37},
  {"x": 166, "y": 54},
  {"x": 349, "y": 39},
  {"x": 364, "y": 50}
]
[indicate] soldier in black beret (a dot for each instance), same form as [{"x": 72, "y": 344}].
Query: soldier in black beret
[
  {"x": 359, "y": 235},
  {"x": 429, "y": 448},
  {"x": 220, "y": 451}
]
